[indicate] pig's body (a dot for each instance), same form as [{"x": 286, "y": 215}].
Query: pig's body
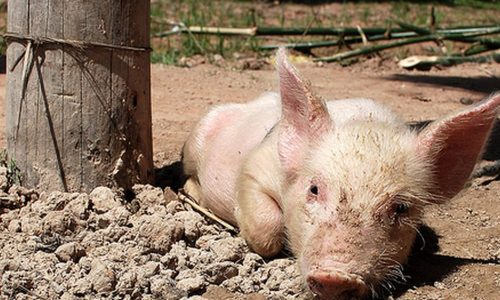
[
  {"x": 343, "y": 184},
  {"x": 228, "y": 144}
]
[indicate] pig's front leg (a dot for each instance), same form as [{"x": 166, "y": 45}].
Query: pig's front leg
[{"x": 259, "y": 218}]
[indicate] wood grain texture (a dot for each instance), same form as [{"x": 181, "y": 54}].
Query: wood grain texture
[{"x": 85, "y": 119}]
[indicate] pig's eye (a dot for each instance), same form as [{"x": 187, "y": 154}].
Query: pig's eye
[
  {"x": 401, "y": 208},
  {"x": 314, "y": 190}
]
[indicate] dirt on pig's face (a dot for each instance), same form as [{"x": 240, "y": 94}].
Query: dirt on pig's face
[{"x": 353, "y": 208}]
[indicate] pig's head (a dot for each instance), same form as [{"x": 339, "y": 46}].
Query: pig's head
[{"x": 354, "y": 192}]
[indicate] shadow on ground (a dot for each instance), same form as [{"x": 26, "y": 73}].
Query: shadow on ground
[
  {"x": 482, "y": 84},
  {"x": 170, "y": 176},
  {"x": 426, "y": 267}
]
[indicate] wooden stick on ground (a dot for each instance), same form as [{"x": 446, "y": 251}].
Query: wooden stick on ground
[{"x": 185, "y": 197}]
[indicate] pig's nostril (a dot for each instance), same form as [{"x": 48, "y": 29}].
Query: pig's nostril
[{"x": 334, "y": 284}]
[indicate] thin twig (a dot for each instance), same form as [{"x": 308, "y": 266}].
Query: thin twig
[{"x": 183, "y": 196}]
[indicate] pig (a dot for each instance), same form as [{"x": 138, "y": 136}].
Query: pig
[{"x": 341, "y": 184}]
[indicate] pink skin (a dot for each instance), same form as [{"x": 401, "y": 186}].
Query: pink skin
[{"x": 343, "y": 184}]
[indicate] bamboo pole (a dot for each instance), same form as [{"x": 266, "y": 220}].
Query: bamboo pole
[
  {"x": 426, "y": 62},
  {"x": 254, "y": 31},
  {"x": 341, "y": 31},
  {"x": 345, "y": 41},
  {"x": 415, "y": 40}
]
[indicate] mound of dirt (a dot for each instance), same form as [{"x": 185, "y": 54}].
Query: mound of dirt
[{"x": 98, "y": 245}]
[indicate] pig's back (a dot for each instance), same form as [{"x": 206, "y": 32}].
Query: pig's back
[
  {"x": 360, "y": 109},
  {"x": 224, "y": 137}
]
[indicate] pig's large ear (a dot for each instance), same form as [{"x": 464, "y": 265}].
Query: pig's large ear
[
  {"x": 304, "y": 115},
  {"x": 454, "y": 145}
]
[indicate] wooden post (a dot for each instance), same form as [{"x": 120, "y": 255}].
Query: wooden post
[{"x": 78, "y": 93}]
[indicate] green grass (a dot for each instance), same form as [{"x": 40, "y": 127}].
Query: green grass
[
  {"x": 13, "y": 172},
  {"x": 199, "y": 13},
  {"x": 247, "y": 13}
]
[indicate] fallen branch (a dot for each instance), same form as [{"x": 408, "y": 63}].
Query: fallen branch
[{"x": 426, "y": 62}]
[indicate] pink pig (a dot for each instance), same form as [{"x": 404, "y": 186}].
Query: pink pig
[{"x": 342, "y": 183}]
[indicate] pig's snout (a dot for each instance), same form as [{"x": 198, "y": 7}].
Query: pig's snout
[{"x": 336, "y": 284}]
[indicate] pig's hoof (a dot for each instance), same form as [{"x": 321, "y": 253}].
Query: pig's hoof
[{"x": 336, "y": 285}]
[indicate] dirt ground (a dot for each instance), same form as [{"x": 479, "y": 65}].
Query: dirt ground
[{"x": 466, "y": 230}]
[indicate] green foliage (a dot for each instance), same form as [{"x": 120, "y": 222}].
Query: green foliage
[
  {"x": 3, "y": 13},
  {"x": 13, "y": 171},
  {"x": 199, "y": 13}
]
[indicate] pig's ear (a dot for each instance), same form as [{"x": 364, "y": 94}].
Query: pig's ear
[
  {"x": 454, "y": 144},
  {"x": 304, "y": 115}
]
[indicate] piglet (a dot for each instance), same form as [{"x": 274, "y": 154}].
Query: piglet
[{"x": 342, "y": 184}]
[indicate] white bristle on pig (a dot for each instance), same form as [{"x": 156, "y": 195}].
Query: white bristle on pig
[{"x": 342, "y": 184}]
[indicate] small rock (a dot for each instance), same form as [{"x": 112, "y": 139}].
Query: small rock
[
  {"x": 126, "y": 281},
  {"x": 275, "y": 279},
  {"x": 8, "y": 265},
  {"x": 229, "y": 249},
  {"x": 169, "y": 195},
  {"x": 58, "y": 222},
  {"x": 82, "y": 287},
  {"x": 102, "y": 277},
  {"x": 150, "y": 269},
  {"x": 219, "y": 272},
  {"x": 79, "y": 207},
  {"x": 250, "y": 264},
  {"x": 118, "y": 215},
  {"x": 103, "y": 199},
  {"x": 31, "y": 223},
  {"x": 175, "y": 206},
  {"x": 466, "y": 101},
  {"x": 170, "y": 261},
  {"x": 14, "y": 226},
  {"x": 205, "y": 240},
  {"x": 164, "y": 288},
  {"x": 191, "y": 285},
  {"x": 55, "y": 201},
  {"x": 154, "y": 232},
  {"x": 70, "y": 251},
  {"x": 148, "y": 195},
  {"x": 67, "y": 296},
  {"x": 192, "y": 222}
]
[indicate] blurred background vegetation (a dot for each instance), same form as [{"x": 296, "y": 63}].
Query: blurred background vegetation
[
  {"x": 245, "y": 14},
  {"x": 168, "y": 15}
]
